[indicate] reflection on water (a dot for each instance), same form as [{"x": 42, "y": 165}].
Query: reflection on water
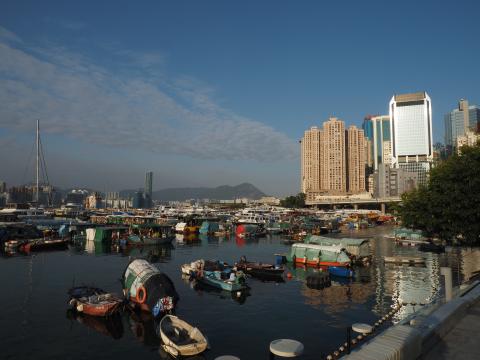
[
  {"x": 111, "y": 326},
  {"x": 41, "y": 281},
  {"x": 152, "y": 253},
  {"x": 338, "y": 296},
  {"x": 144, "y": 327}
]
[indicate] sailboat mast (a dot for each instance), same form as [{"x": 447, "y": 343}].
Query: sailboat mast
[{"x": 38, "y": 162}]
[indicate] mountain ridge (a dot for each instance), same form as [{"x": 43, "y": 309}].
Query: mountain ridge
[{"x": 223, "y": 192}]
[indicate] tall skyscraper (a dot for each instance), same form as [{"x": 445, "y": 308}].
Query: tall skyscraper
[
  {"x": 355, "y": 160},
  {"x": 332, "y": 159},
  {"x": 148, "y": 189},
  {"x": 411, "y": 133},
  {"x": 459, "y": 122},
  {"x": 377, "y": 130},
  {"x": 310, "y": 161}
]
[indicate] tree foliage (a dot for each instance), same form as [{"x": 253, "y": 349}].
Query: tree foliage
[
  {"x": 297, "y": 201},
  {"x": 449, "y": 206}
]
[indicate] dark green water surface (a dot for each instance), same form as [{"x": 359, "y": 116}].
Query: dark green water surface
[{"x": 35, "y": 323}]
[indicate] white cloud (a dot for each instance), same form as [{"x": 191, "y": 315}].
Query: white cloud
[
  {"x": 75, "y": 97},
  {"x": 6, "y": 35}
]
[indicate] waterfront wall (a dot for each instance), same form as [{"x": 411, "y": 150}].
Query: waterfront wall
[{"x": 418, "y": 334}]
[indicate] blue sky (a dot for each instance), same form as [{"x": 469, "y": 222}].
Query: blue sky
[{"x": 206, "y": 93}]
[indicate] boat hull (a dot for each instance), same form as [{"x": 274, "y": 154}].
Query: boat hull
[
  {"x": 209, "y": 279},
  {"x": 319, "y": 263},
  {"x": 136, "y": 240},
  {"x": 171, "y": 327},
  {"x": 99, "y": 309},
  {"x": 44, "y": 245},
  {"x": 261, "y": 271}
]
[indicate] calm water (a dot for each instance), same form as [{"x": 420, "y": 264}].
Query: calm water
[{"x": 35, "y": 323}]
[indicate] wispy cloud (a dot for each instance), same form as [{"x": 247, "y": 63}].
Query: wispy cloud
[
  {"x": 6, "y": 35},
  {"x": 80, "y": 99}
]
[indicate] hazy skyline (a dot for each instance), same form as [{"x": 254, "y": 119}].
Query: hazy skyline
[{"x": 213, "y": 93}]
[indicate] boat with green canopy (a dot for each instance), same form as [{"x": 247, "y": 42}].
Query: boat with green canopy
[
  {"x": 360, "y": 248},
  {"x": 150, "y": 234},
  {"x": 318, "y": 255}
]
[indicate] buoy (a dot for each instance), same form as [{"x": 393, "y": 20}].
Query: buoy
[
  {"x": 336, "y": 353},
  {"x": 341, "y": 348},
  {"x": 354, "y": 341},
  {"x": 359, "y": 337},
  {"x": 289, "y": 275},
  {"x": 329, "y": 357},
  {"x": 345, "y": 344}
]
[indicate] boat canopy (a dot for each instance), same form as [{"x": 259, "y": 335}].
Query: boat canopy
[
  {"x": 140, "y": 274},
  {"x": 209, "y": 227},
  {"x": 357, "y": 247},
  {"x": 327, "y": 253},
  {"x": 105, "y": 233}
]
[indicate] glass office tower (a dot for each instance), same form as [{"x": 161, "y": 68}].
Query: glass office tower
[{"x": 411, "y": 133}]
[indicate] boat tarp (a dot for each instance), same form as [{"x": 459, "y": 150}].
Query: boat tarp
[
  {"x": 314, "y": 252},
  {"x": 105, "y": 233},
  {"x": 357, "y": 247},
  {"x": 157, "y": 285},
  {"x": 209, "y": 227}
]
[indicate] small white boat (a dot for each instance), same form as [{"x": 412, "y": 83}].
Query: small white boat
[
  {"x": 193, "y": 267},
  {"x": 181, "y": 338}
]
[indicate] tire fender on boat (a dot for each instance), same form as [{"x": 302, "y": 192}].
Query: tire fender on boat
[{"x": 141, "y": 295}]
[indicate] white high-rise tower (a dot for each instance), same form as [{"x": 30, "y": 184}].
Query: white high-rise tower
[{"x": 411, "y": 133}]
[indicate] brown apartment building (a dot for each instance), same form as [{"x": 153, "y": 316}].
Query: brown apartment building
[{"x": 333, "y": 159}]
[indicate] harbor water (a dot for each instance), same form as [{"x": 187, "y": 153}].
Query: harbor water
[{"x": 36, "y": 324}]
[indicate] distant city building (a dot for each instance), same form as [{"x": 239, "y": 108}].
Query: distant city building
[
  {"x": 355, "y": 160},
  {"x": 411, "y": 133},
  {"x": 268, "y": 200},
  {"x": 76, "y": 196},
  {"x": 3, "y": 199},
  {"x": 462, "y": 123},
  {"x": 368, "y": 153},
  {"x": 377, "y": 131},
  {"x": 242, "y": 201},
  {"x": 20, "y": 194},
  {"x": 371, "y": 184},
  {"x": 333, "y": 160},
  {"x": 148, "y": 201},
  {"x": 110, "y": 198},
  {"x": 469, "y": 139},
  {"x": 3, "y": 186},
  {"x": 333, "y": 156},
  {"x": 137, "y": 201},
  {"x": 122, "y": 204},
  {"x": 393, "y": 182},
  {"x": 93, "y": 201}
]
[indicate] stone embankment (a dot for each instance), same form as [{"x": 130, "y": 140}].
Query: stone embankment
[{"x": 450, "y": 330}]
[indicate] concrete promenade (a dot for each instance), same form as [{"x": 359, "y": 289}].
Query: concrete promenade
[
  {"x": 448, "y": 331},
  {"x": 462, "y": 341}
]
